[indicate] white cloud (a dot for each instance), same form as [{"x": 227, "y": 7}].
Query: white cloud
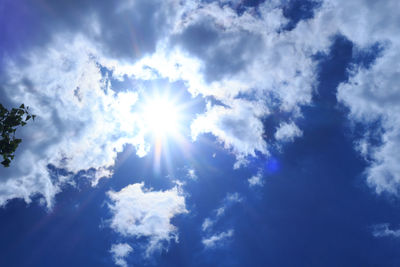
[
  {"x": 217, "y": 239},
  {"x": 81, "y": 122},
  {"x": 256, "y": 180},
  {"x": 231, "y": 125},
  {"x": 138, "y": 212},
  {"x": 370, "y": 93},
  {"x": 287, "y": 132},
  {"x": 119, "y": 252},
  {"x": 382, "y": 230},
  {"x": 245, "y": 65}
]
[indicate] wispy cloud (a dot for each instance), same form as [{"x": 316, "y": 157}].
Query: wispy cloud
[
  {"x": 212, "y": 239},
  {"x": 383, "y": 230},
  {"x": 217, "y": 239},
  {"x": 207, "y": 223}
]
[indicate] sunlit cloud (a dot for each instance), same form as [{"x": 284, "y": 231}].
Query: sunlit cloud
[
  {"x": 246, "y": 67},
  {"x": 140, "y": 212},
  {"x": 81, "y": 122}
]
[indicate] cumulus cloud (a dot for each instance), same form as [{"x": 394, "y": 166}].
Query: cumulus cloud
[
  {"x": 372, "y": 91},
  {"x": 373, "y": 94},
  {"x": 81, "y": 122},
  {"x": 47, "y": 64},
  {"x": 244, "y": 64},
  {"x": 287, "y": 132},
  {"x": 119, "y": 252},
  {"x": 246, "y": 67},
  {"x": 383, "y": 230},
  {"x": 231, "y": 125},
  {"x": 217, "y": 239},
  {"x": 139, "y": 212}
]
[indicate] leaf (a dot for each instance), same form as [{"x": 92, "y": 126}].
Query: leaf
[{"x": 10, "y": 120}]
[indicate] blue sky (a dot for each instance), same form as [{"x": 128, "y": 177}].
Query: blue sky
[{"x": 202, "y": 133}]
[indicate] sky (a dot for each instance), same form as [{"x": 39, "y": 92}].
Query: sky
[{"x": 202, "y": 133}]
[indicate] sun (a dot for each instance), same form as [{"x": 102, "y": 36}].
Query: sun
[
  {"x": 164, "y": 118},
  {"x": 161, "y": 116}
]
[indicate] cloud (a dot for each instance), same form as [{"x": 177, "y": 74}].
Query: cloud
[
  {"x": 207, "y": 223},
  {"x": 123, "y": 29},
  {"x": 191, "y": 173},
  {"x": 382, "y": 230},
  {"x": 256, "y": 180},
  {"x": 228, "y": 201},
  {"x": 244, "y": 64},
  {"x": 287, "y": 132},
  {"x": 231, "y": 125},
  {"x": 120, "y": 251},
  {"x": 232, "y": 198},
  {"x": 63, "y": 71},
  {"x": 372, "y": 91},
  {"x": 139, "y": 212},
  {"x": 81, "y": 122},
  {"x": 246, "y": 67},
  {"x": 373, "y": 94},
  {"x": 217, "y": 239},
  {"x": 205, "y": 41},
  {"x": 53, "y": 56}
]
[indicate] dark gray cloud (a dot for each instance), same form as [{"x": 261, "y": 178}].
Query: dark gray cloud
[
  {"x": 224, "y": 53},
  {"x": 124, "y": 29}
]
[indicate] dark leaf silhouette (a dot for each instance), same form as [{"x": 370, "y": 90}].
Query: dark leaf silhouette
[{"x": 9, "y": 121}]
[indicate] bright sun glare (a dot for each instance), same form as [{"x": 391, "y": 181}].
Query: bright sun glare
[{"x": 161, "y": 116}]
